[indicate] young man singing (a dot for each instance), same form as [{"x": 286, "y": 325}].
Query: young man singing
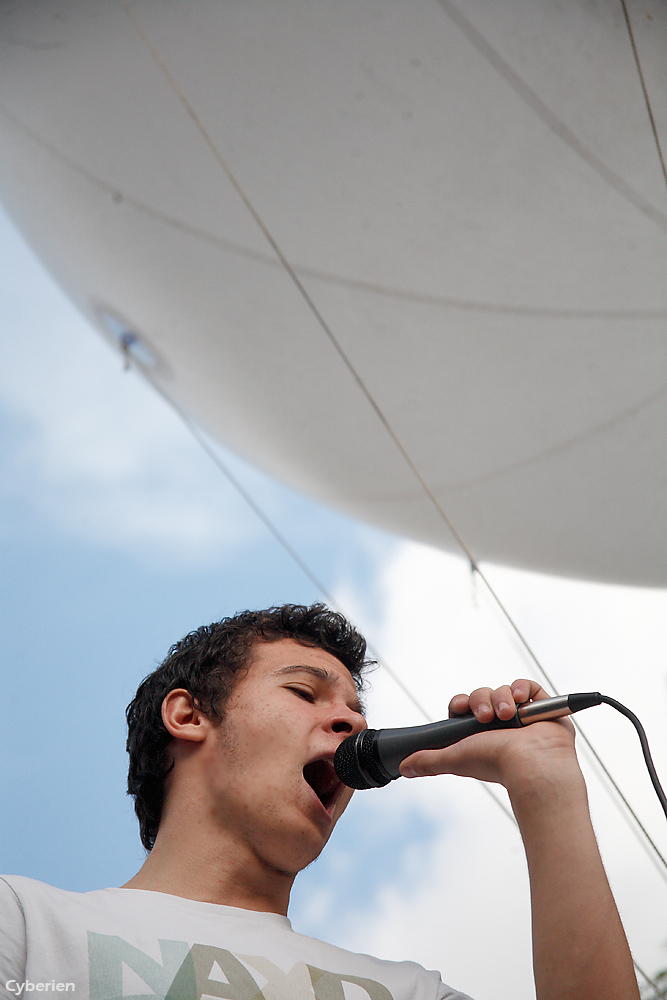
[{"x": 231, "y": 744}]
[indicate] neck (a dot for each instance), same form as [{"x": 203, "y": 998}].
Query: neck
[{"x": 180, "y": 864}]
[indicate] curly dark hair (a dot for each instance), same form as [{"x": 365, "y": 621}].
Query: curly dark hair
[{"x": 208, "y": 663}]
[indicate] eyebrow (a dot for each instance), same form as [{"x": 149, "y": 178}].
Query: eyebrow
[{"x": 321, "y": 674}]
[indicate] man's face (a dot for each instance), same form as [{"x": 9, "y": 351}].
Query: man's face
[{"x": 270, "y": 770}]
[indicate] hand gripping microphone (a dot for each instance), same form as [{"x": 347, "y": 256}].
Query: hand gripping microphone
[{"x": 371, "y": 759}]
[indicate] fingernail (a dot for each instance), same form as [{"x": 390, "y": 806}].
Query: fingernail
[
  {"x": 502, "y": 705},
  {"x": 408, "y": 772}
]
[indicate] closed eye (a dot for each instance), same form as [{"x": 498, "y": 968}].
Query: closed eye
[{"x": 303, "y": 693}]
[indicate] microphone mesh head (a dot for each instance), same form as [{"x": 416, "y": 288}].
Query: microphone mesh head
[{"x": 354, "y": 762}]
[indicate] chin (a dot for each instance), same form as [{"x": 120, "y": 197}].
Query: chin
[{"x": 295, "y": 853}]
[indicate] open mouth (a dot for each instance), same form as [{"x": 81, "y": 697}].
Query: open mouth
[{"x": 324, "y": 781}]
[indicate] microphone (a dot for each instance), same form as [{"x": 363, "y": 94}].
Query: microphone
[{"x": 371, "y": 759}]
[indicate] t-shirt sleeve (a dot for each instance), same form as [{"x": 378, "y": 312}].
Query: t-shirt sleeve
[
  {"x": 447, "y": 993},
  {"x": 12, "y": 936},
  {"x": 431, "y": 984}
]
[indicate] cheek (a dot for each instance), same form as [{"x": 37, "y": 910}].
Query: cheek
[{"x": 262, "y": 746}]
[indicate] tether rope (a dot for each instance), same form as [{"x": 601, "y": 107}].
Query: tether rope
[
  {"x": 557, "y": 125},
  {"x": 283, "y": 541},
  {"x": 235, "y": 482},
  {"x": 640, "y": 73},
  {"x": 201, "y": 439},
  {"x": 289, "y": 270}
]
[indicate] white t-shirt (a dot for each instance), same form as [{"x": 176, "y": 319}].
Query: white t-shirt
[{"x": 117, "y": 944}]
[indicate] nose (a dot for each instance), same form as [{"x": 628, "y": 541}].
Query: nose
[{"x": 346, "y": 721}]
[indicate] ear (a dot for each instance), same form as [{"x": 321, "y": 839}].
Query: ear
[{"x": 182, "y": 719}]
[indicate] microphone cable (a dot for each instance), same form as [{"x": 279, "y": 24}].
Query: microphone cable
[
  {"x": 643, "y": 739},
  {"x": 372, "y": 758}
]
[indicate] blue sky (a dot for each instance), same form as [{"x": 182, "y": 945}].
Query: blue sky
[{"x": 119, "y": 535}]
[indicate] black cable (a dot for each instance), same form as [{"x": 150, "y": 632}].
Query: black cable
[
  {"x": 653, "y": 774},
  {"x": 372, "y": 758}
]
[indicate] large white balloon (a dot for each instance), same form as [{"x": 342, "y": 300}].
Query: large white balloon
[{"x": 375, "y": 246}]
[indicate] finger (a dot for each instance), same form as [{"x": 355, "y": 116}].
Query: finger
[
  {"x": 502, "y": 701},
  {"x": 524, "y": 690},
  {"x": 459, "y": 705},
  {"x": 481, "y": 704},
  {"x": 486, "y": 703}
]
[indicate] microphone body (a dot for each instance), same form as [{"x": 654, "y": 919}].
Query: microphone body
[{"x": 371, "y": 759}]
